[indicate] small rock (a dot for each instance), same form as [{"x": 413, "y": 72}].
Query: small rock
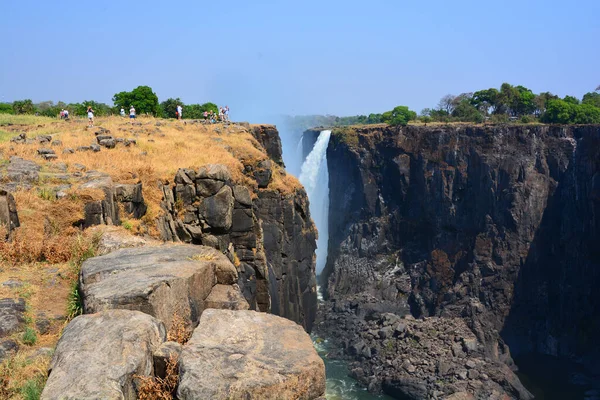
[
  {"x": 44, "y": 151},
  {"x": 12, "y": 283},
  {"x": 95, "y": 148},
  {"x": 68, "y": 150},
  {"x": 56, "y": 143}
]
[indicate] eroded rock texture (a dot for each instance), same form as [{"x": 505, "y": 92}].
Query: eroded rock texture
[
  {"x": 98, "y": 356},
  {"x": 268, "y": 235},
  {"x": 249, "y": 355},
  {"x": 497, "y": 226}
]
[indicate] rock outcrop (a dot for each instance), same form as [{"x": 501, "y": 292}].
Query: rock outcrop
[
  {"x": 494, "y": 225},
  {"x": 162, "y": 281},
  {"x": 270, "y": 237},
  {"x": 98, "y": 355},
  {"x": 268, "y": 137},
  {"x": 249, "y": 355}
]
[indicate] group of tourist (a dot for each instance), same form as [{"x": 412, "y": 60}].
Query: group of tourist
[
  {"x": 212, "y": 117},
  {"x": 209, "y": 116},
  {"x": 131, "y": 112}
]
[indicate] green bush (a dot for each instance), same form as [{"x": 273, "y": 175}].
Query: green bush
[
  {"x": 499, "y": 119},
  {"x": 32, "y": 389},
  {"x": 74, "y": 302},
  {"x": 29, "y": 336},
  {"x": 6, "y": 108},
  {"x": 526, "y": 119}
]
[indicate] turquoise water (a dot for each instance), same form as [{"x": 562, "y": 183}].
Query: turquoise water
[{"x": 339, "y": 385}]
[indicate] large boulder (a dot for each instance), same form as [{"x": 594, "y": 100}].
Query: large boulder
[
  {"x": 99, "y": 354},
  {"x": 217, "y": 210},
  {"x": 162, "y": 281},
  {"x": 249, "y": 355}
]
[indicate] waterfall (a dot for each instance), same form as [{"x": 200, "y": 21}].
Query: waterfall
[{"x": 315, "y": 178}]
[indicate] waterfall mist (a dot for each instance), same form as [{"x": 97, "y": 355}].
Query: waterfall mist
[{"x": 315, "y": 178}]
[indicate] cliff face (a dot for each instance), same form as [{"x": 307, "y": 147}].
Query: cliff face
[
  {"x": 267, "y": 233},
  {"x": 493, "y": 225}
]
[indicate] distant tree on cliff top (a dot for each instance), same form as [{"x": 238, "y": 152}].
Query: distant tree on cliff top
[
  {"x": 447, "y": 103},
  {"x": 591, "y": 98},
  {"x": 399, "y": 116},
  {"x": 564, "y": 112},
  {"x": 142, "y": 98}
]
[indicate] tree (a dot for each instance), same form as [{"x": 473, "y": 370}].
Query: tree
[
  {"x": 100, "y": 109},
  {"x": 540, "y": 102},
  {"x": 563, "y": 112},
  {"x": 23, "y": 107},
  {"x": 466, "y": 112},
  {"x": 486, "y": 101},
  {"x": 142, "y": 98},
  {"x": 169, "y": 107},
  {"x": 399, "y": 116},
  {"x": 6, "y": 108},
  {"x": 524, "y": 101},
  {"x": 374, "y": 119},
  {"x": 571, "y": 99},
  {"x": 447, "y": 103},
  {"x": 591, "y": 98}
]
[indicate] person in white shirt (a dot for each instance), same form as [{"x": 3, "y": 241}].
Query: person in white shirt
[
  {"x": 132, "y": 112},
  {"x": 122, "y": 112},
  {"x": 179, "y": 110}
]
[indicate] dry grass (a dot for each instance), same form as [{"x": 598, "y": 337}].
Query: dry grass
[
  {"x": 159, "y": 153},
  {"x": 48, "y": 229},
  {"x": 46, "y": 251},
  {"x": 23, "y": 376},
  {"x": 156, "y": 388},
  {"x": 179, "y": 332}
]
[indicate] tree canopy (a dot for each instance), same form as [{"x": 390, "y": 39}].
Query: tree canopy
[{"x": 142, "y": 98}]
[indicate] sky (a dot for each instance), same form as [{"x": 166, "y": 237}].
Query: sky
[{"x": 296, "y": 57}]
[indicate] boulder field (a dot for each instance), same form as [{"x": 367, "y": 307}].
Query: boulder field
[{"x": 131, "y": 297}]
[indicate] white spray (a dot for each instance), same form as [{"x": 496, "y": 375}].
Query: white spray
[{"x": 315, "y": 178}]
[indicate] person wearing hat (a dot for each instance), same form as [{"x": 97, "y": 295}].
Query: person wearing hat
[{"x": 90, "y": 113}]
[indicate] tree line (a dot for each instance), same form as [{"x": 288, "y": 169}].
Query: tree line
[
  {"x": 509, "y": 103},
  {"x": 142, "y": 98},
  {"x": 516, "y": 103}
]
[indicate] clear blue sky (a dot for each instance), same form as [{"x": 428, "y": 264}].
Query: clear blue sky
[{"x": 296, "y": 57}]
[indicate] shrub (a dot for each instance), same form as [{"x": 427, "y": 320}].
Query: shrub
[
  {"x": 32, "y": 389},
  {"x": 526, "y": 119},
  {"x": 500, "y": 119},
  {"x": 29, "y": 336},
  {"x": 74, "y": 302}
]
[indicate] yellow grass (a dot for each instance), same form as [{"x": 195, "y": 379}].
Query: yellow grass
[
  {"x": 159, "y": 153},
  {"x": 45, "y": 251}
]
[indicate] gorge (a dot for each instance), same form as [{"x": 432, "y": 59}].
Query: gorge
[{"x": 453, "y": 249}]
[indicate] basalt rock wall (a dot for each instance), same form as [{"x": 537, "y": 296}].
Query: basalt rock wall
[
  {"x": 496, "y": 225},
  {"x": 267, "y": 233}
]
